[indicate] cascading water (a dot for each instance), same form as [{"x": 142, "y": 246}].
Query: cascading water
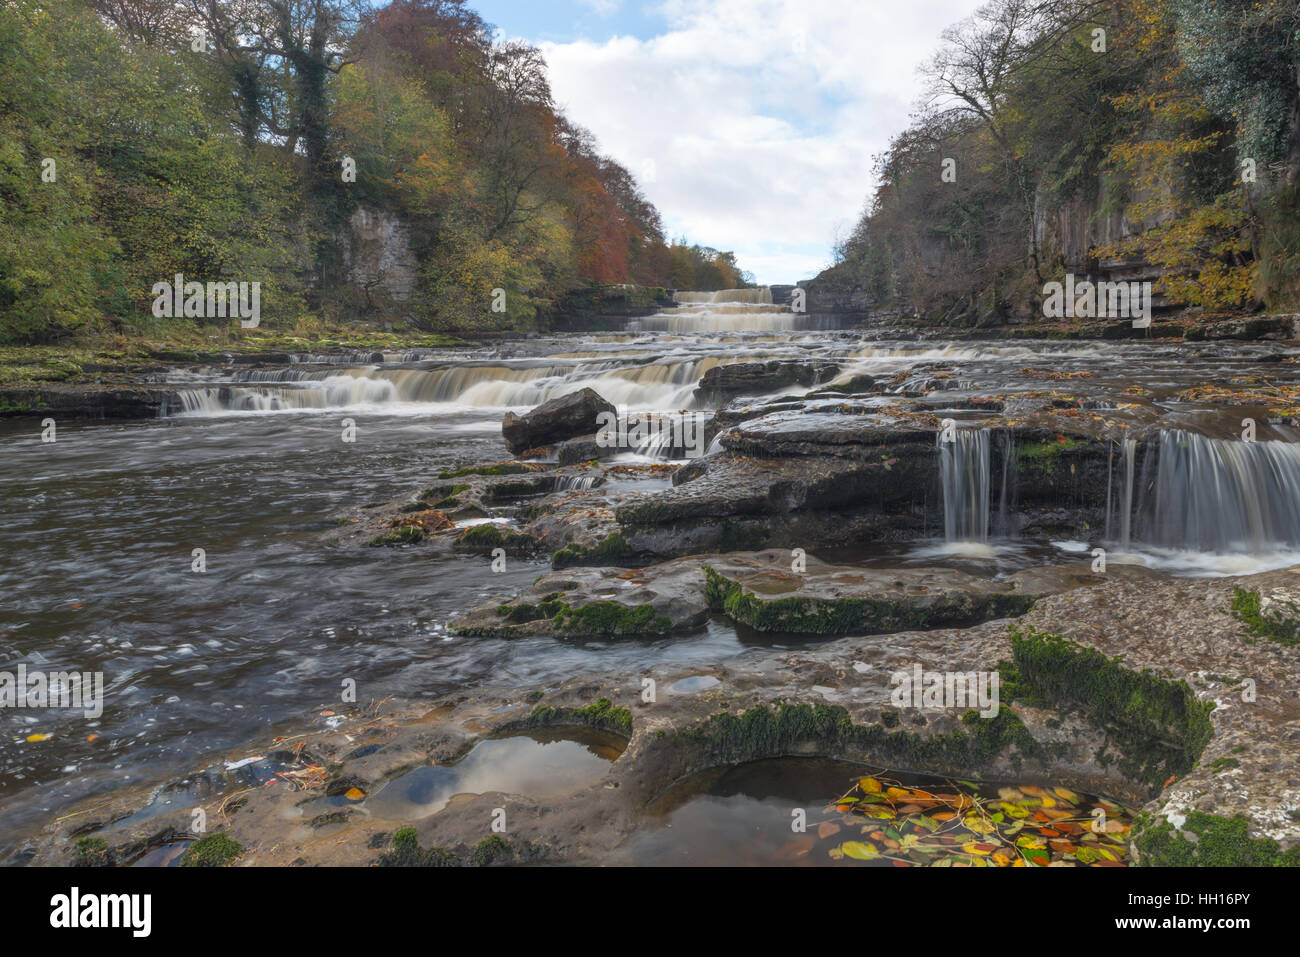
[
  {"x": 1222, "y": 495},
  {"x": 964, "y": 477},
  {"x": 666, "y": 383},
  {"x": 1126, "y": 494},
  {"x": 726, "y": 310}
]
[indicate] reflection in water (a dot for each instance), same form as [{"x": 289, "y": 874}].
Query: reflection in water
[
  {"x": 817, "y": 812},
  {"x": 540, "y": 764}
]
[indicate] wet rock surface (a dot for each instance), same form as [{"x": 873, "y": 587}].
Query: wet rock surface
[
  {"x": 1117, "y": 678},
  {"x": 561, "y": 418},
  {"x": 723, "y": 383},
  {"x": 836, "y": 700}
]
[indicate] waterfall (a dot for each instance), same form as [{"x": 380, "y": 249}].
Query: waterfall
[
  {"x": 1007, "y": 524},
  {"x": 726, "y": 310},
  {"x": 659, "y": 384},
  {"x": 1119, "y": 515},
  {"x": 964, "y": 478},
  {"x": 1223, "y": 495},
  {"x": 1126, "y": 494},
  {"x": 761, "y": 295}
]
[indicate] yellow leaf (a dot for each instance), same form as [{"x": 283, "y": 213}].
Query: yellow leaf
[{"x": 859, "y": 851}]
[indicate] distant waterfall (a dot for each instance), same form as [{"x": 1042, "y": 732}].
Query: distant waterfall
[
  {"x": 964, "y": 478},
  {"x": 1223, "y": 495},
  {"x": 726, "y": 310},
  {"x": 760, "y": 295}
]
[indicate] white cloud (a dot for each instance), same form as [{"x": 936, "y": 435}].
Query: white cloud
[{"x": 760, "y": 117}]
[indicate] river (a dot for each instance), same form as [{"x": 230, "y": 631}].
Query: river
[{"x": 98, "y": 529}]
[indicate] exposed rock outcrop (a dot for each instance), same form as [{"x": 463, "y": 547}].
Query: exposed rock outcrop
[{"x": 564, "y": 417}]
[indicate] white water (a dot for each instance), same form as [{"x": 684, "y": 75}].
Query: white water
[
  {"x": 964, "y": 477},
  {"x": 1225, "y": 495},
  {"x": 666, "y": 384},
  {"x": 727, "y": 310}
]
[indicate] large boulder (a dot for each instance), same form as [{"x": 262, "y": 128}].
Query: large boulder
[
  {"x": 724, "y": 382},
  {"x": 562, "y": 418}
]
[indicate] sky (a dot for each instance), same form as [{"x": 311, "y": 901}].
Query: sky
[{"x": 751, "y": 124}]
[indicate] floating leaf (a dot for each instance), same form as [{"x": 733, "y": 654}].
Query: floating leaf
[{"x": 859, "y": 850}]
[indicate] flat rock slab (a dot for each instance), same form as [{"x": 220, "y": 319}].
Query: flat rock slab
[
  {"x": 598, "y": 603},
  {"x": 765, "y": 591},
  {"x": 1176, "y": 630},
  {"x": 761, "y": 590}
]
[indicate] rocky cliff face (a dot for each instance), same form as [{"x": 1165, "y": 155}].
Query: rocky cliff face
[
  {"x": 377, "y": 259},
  {"x": 833, "y": 292}
]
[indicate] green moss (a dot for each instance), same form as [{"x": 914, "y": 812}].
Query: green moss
[
  {"x": 609, "y": 619},
  {"x": 1159, "y": 725},
  {"x": 613, "y": 549},
  {"x": 490, "y": 850},
  {"x": 436, "y": 493},
  {"x": 813, "y": 615},
  {"x": 93, "y": 852},
  {"x": 215, "y": 850},
  {"x": 1219, "y": 842},
  {"x": 1224, "y": 764},
  {"x": 405, "y": 851},
  {"x": 788, "y": 728},
  {"x": 601, "y": 713},
  {"x": 603, "y": 619},
  {"x": 543, "y": 714},
  {"x": 490, "y": 535},
  {"x": 406, "y": 535},
  {"x": 1274, "y": 624},
  {"x": 1044, "y": 457}
]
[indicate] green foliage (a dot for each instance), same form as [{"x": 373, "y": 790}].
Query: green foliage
[
  {"x": 602, "y": 714},
  {"x": 1280, "y": 622},
  {"x": 230, "y": 167},
  {"x": 214, "y": 850},
  {"x": 406, "y": 535},
  {"x": 405, "y": 851},
  {"x": 1160, "y": 725},
  {"x": 1053, "y": 139},
  {"x": 93, "y": 852},
  {"x": 1214, "y": 841}
]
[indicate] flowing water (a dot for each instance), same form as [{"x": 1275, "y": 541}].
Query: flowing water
[{"x": 98, "y": 530}]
